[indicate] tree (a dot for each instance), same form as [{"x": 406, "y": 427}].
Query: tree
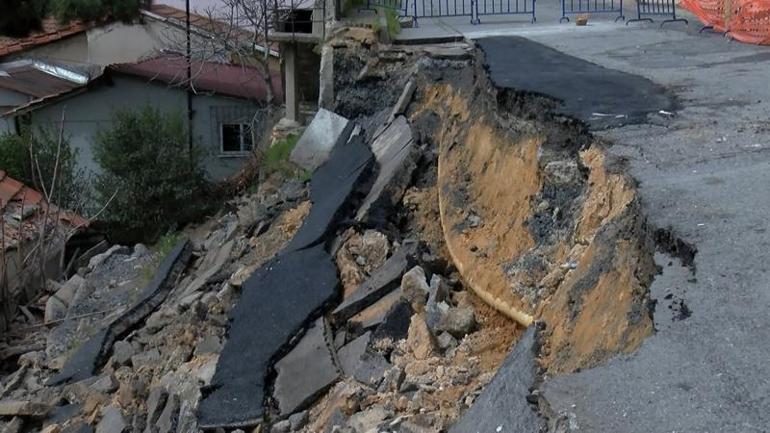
[
  {"x": 20, "y": 17},
  {"x": 160, "y": 184},
  {"x": 96, "y": 10}
]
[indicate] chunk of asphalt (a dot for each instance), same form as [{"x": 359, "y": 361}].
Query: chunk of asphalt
[
  {"x": 326, "y": 130},
  {"x": 604, "y": 98},
  {"x": 503, "y": 406},
  {"x": 395, "y": 326},
  {"x": 305, "y": 372},
  {"x": 371, "y": 317},
  {"x": 278, "y": 300},
  {"x": 94, "y": 352},
  {"x": 357, "y": 361},
  {"x": 383, "y": 281},
  {"x": 330, "y": 190},
  {"x": 397, "y": 158}
]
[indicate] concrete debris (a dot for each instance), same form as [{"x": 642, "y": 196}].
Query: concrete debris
[
  {"x": 23, "y": 408},
  {"x": 325, "y": 131},
  {"x": 404, "y": 99},
  {"x": 394, "y": 326},
  {"x": 101, "y": 258},
  {"x": 373, "y": 316},
  {"x": 420, "y": 339},
  {"x": 369, "y": 420},
  {"x": 458, "y": 322},
  {"x": 415, "y": 288},
  {"x": 305, "y": 372},
  {"x": 112, "y": 421}
]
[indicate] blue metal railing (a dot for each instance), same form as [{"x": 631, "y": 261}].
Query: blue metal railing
[
  {"x": 573, "y": 7},
  {"x": 646, "y": 8},
  {"x": 399, "y": 6},
  {"x": 504, "y": 7}
]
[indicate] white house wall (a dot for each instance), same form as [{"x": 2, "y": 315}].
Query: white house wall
[{"x": 89, "y": 112}]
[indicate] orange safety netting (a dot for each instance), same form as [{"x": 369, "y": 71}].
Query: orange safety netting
[{"x": 745, "y": 20}]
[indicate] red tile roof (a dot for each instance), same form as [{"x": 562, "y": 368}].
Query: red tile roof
[
  {"x": 223, "y": 79},
  {"x": 51, "y": 31},
  {"x": 22, "y": 211}
]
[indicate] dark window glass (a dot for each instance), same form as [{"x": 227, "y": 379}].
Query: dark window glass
[{"x": 231, "y": 138}]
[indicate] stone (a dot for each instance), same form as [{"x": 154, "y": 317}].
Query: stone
[
  {"x": 55, "y": 309},
  {"x": 458, "y": 321},
  {"x": 563, "y": 172},
  {"x": 51, "y": 428},
  {"x": 392, "y": 380},
  {"x": 140, "y": 250},
  {"x": 382, "y": 282},
  {"x": 415, "y": 288},
  {"x": 23, "y": 408},
  {"x": 169, "y": 418},
  {"x": 370, "y": 419},
  {"x": 420, "y": 339},
  {"x": 411, "y": 427},
  {"x": 397, "y": 158},
  {"x": 112, "y": 421},
  {"x": 122, "y": 351},
  {"x": 299, "y": 420},
  {"x": 316, "y": 144},
  {"x": 210, "y": 344},
  {"x": 13, "y": 426},
  {"x": 445, "y": 341},
  {"x": 326, "y": 77},
  {"x": 98, "y": 259},
  {"x": 305, "y": 372},
  {"x": 404, "y": 99},
  {"x": 260, "y": 325},
  {"x": 503, "y": 403},
  {"x": 148, "y": 359},
  {"x": 156, "y": 401},
  {"x": 105, "y": 384},
  {"x": 211, "y": 264},
  {"x": 374, "y": 315},
  {"x": 78, "y": 427},
  {"x": 70, "y": 288}
]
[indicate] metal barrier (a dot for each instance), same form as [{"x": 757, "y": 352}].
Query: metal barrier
[
  {"x": 399, "y": 6},
  {"x": 442, "y": 8},
  {"x": 574, "y": 7},
  {"x": 645, "y": 8},
  {"x": 504, "y": 7}
]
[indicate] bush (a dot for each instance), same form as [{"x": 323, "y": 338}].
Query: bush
[
  {"x": 95, "y": 10},
  {"x": 20, "y": 17},
  {"x": 20, "y": 153},
  {"x": 157, "y": 181}
]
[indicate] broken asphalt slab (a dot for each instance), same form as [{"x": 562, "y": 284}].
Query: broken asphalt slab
[
  {"x": 596, "y": 95},
  {"x": 278, "y": 300},
  {"x": 94, "y": 352},
  {"x": 305, "y": 372},
  {"x": 326, "y": 131},
  {"x": 503, "y": 405},
  {"x": 331, "y": 188},
  {"x": 384, "y": 280}
]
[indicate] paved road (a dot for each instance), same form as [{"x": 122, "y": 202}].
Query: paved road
[{"x": 705, "y": 173}]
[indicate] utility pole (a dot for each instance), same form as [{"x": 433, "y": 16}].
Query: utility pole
[{"x": 188, "y": 57}]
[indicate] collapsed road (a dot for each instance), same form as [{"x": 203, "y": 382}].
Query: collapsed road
[{"x": 471, "y": 256}]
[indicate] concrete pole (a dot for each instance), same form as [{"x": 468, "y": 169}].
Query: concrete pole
[{"x": 289, "y": 51}]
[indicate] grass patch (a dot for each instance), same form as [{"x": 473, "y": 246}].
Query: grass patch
[
  {"x": 276, "y": 159},
  {"x": 394, "y": 26},
  {"x": 160, "y": 250}
]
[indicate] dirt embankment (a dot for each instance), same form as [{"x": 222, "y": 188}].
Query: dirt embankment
[{"x": 539, "y": 223}]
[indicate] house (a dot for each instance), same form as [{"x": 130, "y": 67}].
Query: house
[
  {"x": 227, "y": 101},
  {"x": 26, "y": 218}
]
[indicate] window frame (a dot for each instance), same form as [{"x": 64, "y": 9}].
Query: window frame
[{"x": 243, "y": 128}]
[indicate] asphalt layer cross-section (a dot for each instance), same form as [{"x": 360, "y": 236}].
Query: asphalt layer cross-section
[
  {"x": 599, "y": 96},
  {"x": 704, "y": 173}
]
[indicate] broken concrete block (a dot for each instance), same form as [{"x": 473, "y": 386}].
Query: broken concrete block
[
  {"x": 105, "y": 384},
  {"x": 145, "y": 359},
  {"x": 260, "y": 325},
  {"x": 403, "y": 101},
  {"x": 420, "y": 340},
  {"x": 436, "y": 307},
  {"x": 383, "y": 281},
  {"x": 78, "y": 427},
  {"x": 122, "y": 351},
  {"x": 68, "y": 290},
  {"x": 305, "y": 372},
  {"x": 326, "y": 77},
  {"x": 374, "y": 315},
  {"x": 98, "y": 259},
  {"x": 414, "y": 287},
  {"x": 299, "y": 420},
  {"x": 397, "y": 158},
  {"x": 370, "y": 419},
  {"x": 458, "y": 321},
  {"x": 504, "y": 400},
  {"x": 212, "y": 262},
  {"x": 396, "y": 324},
  {"x": 169, "y": 418},
  {"x": 155, "y": 404},
  {"x": 112, "y": 421},
  {"x": 326, "y": 130},
  {"x": 330, "y": 189},
  {"x": 55, "y": 309}
]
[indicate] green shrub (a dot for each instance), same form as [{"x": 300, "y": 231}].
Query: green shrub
[
  {"x": 20, "y": 17},
  {"x": 276, "y": 158},
  {"x": 157, "y": 182},
  {"x": 32, "y": 159},
  {"x": 95, "y": 10}
]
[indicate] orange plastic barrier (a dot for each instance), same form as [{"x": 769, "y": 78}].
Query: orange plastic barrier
[{"x": 745, "y": 20}]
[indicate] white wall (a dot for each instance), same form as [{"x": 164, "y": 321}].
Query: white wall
[{"x": 89, "y": 112}]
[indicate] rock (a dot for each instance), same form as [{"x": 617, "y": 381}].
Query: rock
[
  {"x": 98, "y": 259},
  {"x": 105, "y": 384},
  {"x": 458, "y": 321},
  {"x": 411, "y": 427},
  {"x": 564, "y": 172},
  {"x": 14, "y": 426},
  {"x": 155, "y": 404},
  {"x": 374, "y": 315},
  {"x": 445, "y": 341},
  {"x": 122, "y": 351},
  {"x": 381, "y": 282},
  {"x": 211, "y": 264},
  {"x": 326, "y": 77},
  {"x": 420, "y": 339},
  {"x": 52, "y": 428},
  {"x": 283, "y": 426},
  {"x": 368, "y": 420},
  {"x": 404, "y": 99},
  {"x": 436, "y": 307},
  {"x": 414, "y": 287},
  {"x": 299, "y": 420},
  {"x": 70, "y": 288},
  {"x": 210, "y": 344},
  {"x": 55, "y": 309},
  {"x": 305, "y": 372},
  {"x": 23, "y": 408},
  {"x": 316, "y": 144},
  {"x": 78, "y": 427},
  {"x": 169, "y": 418},
  {"x": 149, "y": 359},
  {"x": 358, "y": 362},
  {"x": 112, "y": 421},
  {"x": 140, "y": 250},
  {"x": 392, "y": 380}
]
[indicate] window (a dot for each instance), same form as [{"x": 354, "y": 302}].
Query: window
[{"x": 236, "y": 137}]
